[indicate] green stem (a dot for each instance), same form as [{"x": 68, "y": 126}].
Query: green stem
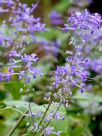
[
  {"x": 45, "y": 113},
  {"x": 19, "y": 121},
  {"x": 50, "y": 120}
]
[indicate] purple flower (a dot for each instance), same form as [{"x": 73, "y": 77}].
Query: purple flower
[
  {"x": 14, "y": 54},
  {"x": 49, "y": 46},
  {"x": 1, "y": 78},
  {"x": 96, "y": 65},
  {"x": 1, "y": 41},
  {"x": 82, "y": 87},
  {"x": 82, "y": 3},
  {"x": 36, "y": 114},
  {"x": 73, "y": 74},
  {"x": 3, "y": 10},
  {"x": 8, "y": 77},
  {"x": 21, "y": 74},
  {"x": 58, "y": 116},
  {"x": 56, "y": 18},
  {"x": 8, "y": 2},
  {"x": 85, "y": 27},
  {"x": 35, "y": 126},
  {"x": 48, "y": 131},
  {"x": 27, "y": 63}
]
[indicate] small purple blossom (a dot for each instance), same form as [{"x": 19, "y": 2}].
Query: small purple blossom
[
  {"x": 35, "y": 126},
  {"x": 21, "y": 74},
  {"x": 82, "y": 3},
  {"x": 56, "y": 18},
  {"x": 1, "y": 78},
  {"x": 8, "y": 77},
  {"x": 3, "y": 10},
  {"x": 96, "y": 65},
  {"x": 49, "y": 130}
]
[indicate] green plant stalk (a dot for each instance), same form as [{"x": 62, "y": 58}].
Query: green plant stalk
[
  {"x": 45, "y": 113},
  {"x": 50, "y": 120},
  {"x": 46, "y": 110},
  {"x": 17, "y": 124}
]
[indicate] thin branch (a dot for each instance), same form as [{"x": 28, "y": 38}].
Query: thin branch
[
  {"x": 17, "y": 124},
  {"x": 50, "y": 120},
  {"x": 45, "y": 113}
]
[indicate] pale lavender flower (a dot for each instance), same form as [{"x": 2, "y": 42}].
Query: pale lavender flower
[
  {"x": 35, "y": 126},
  {"x": 82, "y": 3},
  {"x": 96, "y": 65},
  {"x": 85, "y": 28},
  {"x": 21, "y": 74},
  {"x": 59, "y": 116},
  {"x": 27, "y": 63},
  {"x": 8, "y": 77},
  {"x": 49, "y": 46},
  {"x": 1, "y": 78},
  {"x": 8, "y": 2},
  {"x": 3, "y": 10},
  {"x": 48, "y": 131},
  {"x": 56, "y": 18},
  {"x": 73, "y": 74}
]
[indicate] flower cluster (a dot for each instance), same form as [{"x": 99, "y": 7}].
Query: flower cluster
[
  {"x": 21, "y": 23},
  {"x": 73, "y": 74},
  {"x": 25, "y": 64},
  {"x": 85, "y": 28}
]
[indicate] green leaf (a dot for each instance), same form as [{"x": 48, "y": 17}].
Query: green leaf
[
  {"x": 9, "y": 116},
  {"x": 9, "y": 112},
  {"x": 14, "y": 88},
  {"x": 2, "y": 105},
  {"x": 24, "y": 106},
  {"x": 63, "y": 5},
  {"x": 60, "y": 125}
]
